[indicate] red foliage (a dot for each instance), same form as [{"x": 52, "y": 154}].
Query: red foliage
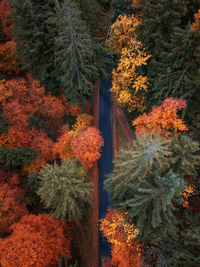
[
  {"x": 8, "y": 64},
  {"x": 11, "y": 210},
  {"x": 196, "y": 25},
  {"x": 5, "y": 9},
  {"x": 125, "y": 250},
  {"x": 36, "y": 241},
  {"x": 86, "y": 146},
  {"x": 12, "y": 179},
  {"x": 162, "y": 119}
]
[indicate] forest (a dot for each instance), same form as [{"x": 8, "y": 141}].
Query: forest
[{"x": 54, "y": 55}]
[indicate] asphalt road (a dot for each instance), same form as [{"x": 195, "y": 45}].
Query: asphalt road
[{"x": 105, "y": 162}]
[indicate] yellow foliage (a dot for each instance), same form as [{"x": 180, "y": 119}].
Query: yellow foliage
[
  {"x": 128, "y": 87},
  {"x": 121, "y": 32}
]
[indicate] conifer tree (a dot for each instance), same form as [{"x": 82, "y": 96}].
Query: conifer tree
[
  {"x": 35, "y": 43},
  {"x": 178, "y": 73},
  {"x": 149, "y": 203},
  {"x": 13, "y": 159},
  {"x": 64, "y": 190},
  {"x": 74, "y": 52},
  {"x": 147, "y": 154}
]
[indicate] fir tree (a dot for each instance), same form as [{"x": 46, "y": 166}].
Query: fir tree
[
  {"x": 13, "y": 159},
  {"x": 35, "y": 43},
  {"x": 178, "y": 72},
  {"x": 3, "y": 124},
  {"x": 147, "y": 154},
  {"x": 74, "y": 53},
  {"x": 185, "y": 156},
  {"x": 64, "y": 190},
  {"x": 149, "y": 203}
]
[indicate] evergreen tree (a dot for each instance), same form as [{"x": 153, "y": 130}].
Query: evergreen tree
[
  {"x": 185, "y": 156},
  {"x": 178, "y": 73},
  {"x": 150, "y": 206},
  {"x": 74, "y": 53},
  {"x": 64, "y": 190},
  {"x": 35, "y": 43},
  {"x": 13, "y": 159},
  {"x": 3, "y": 124},
  {"x": 158, "y": 21},
  {"x": 147, "y": 154}
]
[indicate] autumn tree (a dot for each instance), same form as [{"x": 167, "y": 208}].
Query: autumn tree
[
  {"x": 11, "y": 209},
  {"x": 5, "y": 10},
  {"x": 65, "y": 190},
  {"x": 36, "y": 241},
  {"x": 162, "y": 119},
  {"x": 128, "y": 87},
  {"x": 125, "y": 250},
  {"x": 86, "y": 146},
  {"x": 8, "y": 63}
]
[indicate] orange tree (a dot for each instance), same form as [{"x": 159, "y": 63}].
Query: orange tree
[
  {"x": 11, "y": 210},
  {"x": 36, "y": 241},
  {"x": 162, "y": 119},
  {"x": 126, "y": 252}
]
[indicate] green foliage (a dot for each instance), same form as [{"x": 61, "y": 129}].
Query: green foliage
[
  {"x": 74, "y": 52},
  {"x": 64, "y": 189},
  {"x": 185, "y": 155},
  {"x": 37, "y": 123},
  {"x": 13, "y": 159},
  {"x": 3, "y": 125},
  {"x": 35, "y": 43},
  {"x": 149, "y": 203},
  {"x": 147, "y": 154},
  {"x": 64, "y": 262}
]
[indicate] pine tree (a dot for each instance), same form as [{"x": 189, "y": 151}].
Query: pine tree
[
  {"x": 178, "y": 73},
  {"x": 35, "y": 43},
  {"x": 149, "y": 203},
  {"x": 13, "y": 159},
  {"x": 74, "y": 52},
  {"x": 147, "y": 154},
  {"x": 64, "y": 190},
  {"x": 185, "y": 156}
]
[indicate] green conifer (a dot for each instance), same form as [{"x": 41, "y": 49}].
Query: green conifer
[
  {"x": 63, "y": 189},
  {"x": 35, "y": 43},
  {"x": 12, "y": 159},
  {"x": 185, "y": 156},
  {"x": 140, "y": 159},
  {"x": 74, "y": 53},
  {"x": 150, "y": 205},
  {"x": 178, "y": 72}
]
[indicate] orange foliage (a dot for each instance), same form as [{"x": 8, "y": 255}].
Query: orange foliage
[
  {"x": 11, "y": 210},
  {"x": 36, "y": 241},
  {"x": 125, "y": 250},
  {"x": 122, "y": 32},
  {"x": 5, "y": 9},
  {"x": 128, "y": 87},
  {"x": 63, "y": 145},
  {"x": 86, "y": 146},
  {"x": 35, "y": 165},
  {"x": 162, "y": 119},
  {"x": 186, "y": 194},
  {"x": 8, "y": 64},
  {"x": 196, "y": 25}
]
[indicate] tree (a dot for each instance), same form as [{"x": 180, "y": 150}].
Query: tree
[
  {"x": 86, "y": 146},
  {"x": 34, "y": 42},
  {"x": 178, "y": 73},
  {"x": 11, "y": 159},
  {"x": 121, "y": 234},
  {"x": 65, "y": 190},
  {"x": 74, "y": 53},
  {"x": 8, "y": 64},
  {"x": 162, "y": 119},
  {"x": 36, "y": 241},
  {"x": 11, "y": 209},
  {"x": 5, "y": 10},
  {"x": 128, "y": 87},
  {"x": 150, "y": 204},
  {"x": 138, "y": 160}
]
